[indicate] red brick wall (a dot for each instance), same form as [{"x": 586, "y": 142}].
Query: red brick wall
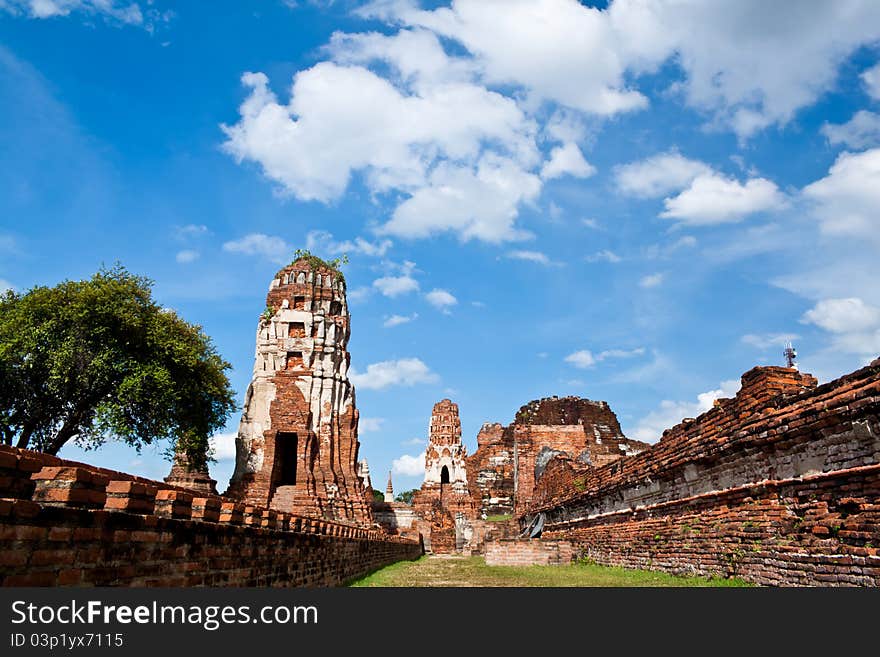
[
  {"x": 525, "y": 552},
  {"x": 780, "y": 485},
  {"x": 68, "y": 524}
]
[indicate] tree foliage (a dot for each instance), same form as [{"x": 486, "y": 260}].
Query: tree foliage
[
  {"x": 378, "y": 496},
  {"x": 98, "y": 359},
  {"x": 315, "y": 262},
  {"x": 406, "y": 496}
]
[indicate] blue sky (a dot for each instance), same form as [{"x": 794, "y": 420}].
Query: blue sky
[{"x": 635, "y": 201}]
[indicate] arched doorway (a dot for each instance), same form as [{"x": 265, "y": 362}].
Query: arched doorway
[{"x": 444, "y": 475}]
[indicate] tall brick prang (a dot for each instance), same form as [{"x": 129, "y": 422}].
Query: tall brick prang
[
  {"x": 297, "y": 444},
  {"x": 444, "y": 501}
]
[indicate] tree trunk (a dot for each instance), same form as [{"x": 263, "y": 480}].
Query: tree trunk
[
  {"x": 67, "y": 431},
  {"x": 26, "y": 432}
]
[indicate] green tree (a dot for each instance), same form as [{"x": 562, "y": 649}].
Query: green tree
[
  {"x": 406, "y": 496},
  {"x": 98, "y": 359},
  {"x": 378, "y": 496}
]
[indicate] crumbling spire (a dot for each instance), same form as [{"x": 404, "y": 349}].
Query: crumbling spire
[{"x": 389, "y": 489}]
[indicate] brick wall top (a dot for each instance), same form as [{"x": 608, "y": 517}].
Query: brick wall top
[
  {"x": 774, "y": 404},
  {"x": 32, "y": 478},
  {"x": 567, "y": 410}
]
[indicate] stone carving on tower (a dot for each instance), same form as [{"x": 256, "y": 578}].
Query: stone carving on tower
[{"x": 297, "y": 443}]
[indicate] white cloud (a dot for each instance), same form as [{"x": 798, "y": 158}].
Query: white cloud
[
  {"x": 590, "y": 223},
  {"x": 530, "y": 256},
  {"x": 370, "y": 424},
  {"x": 359, "y": 294},
  {"x": 854, "y": 324},
  {"x": 584, "y": 358},
  {"x": 871, "y": 80},
  {"x": 430, "y": 144},
  {"x": 186, "y": 256},
  {"x": 843, "y": 315},
  {"x": 123, "y": 12},
  {"x": 670, "y": 413},
  {"x": 567, "y": 160},
  {"x": 715, "y": 199},
  {"x": 480, "y": 202},
  {"x": 737, "y": 57},
  {"x": 223, "y": 445},
  {"x": 190, "y": 231},
  {"x": 765, "y": 341},
  {"x": 5, "y": 286},
  {"x": 658, "y": 175},
  {"x": 651, "y": 280},
  {"x": 321, "y": 241},
  {"x": 397, "y": 320},
  {"x": 270, "y": 247},
  {"x": 409, "y": 466},
  {"x": 845, "y": 202},
  {"x": 402, "y": 372},
  {"x": 604, "y": 255},
  {"x": 413, "y": 441},
  {"x": 441, "y": 299},
  {"x": 394, "y": 286},
  {"x": 581, "y": 359},
  {"x": 565, "y": 52},
  {"x": 861, "y": 131},
  {"x": 620, "y": 353}
]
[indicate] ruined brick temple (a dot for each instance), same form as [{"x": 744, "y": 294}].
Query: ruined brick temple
[
  {"x": 779, "y": 485},
  {"x": 467, "y": 501},
  {"x": 297, "y": 444}
]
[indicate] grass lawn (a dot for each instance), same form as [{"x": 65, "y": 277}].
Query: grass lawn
[{"x": 445, "y": 570}]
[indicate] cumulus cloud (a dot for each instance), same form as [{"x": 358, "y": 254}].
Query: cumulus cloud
[
  {"x": 123, "y": 12},
  {"x": 567, "y": 160},
  {"x": 223, "y": 445},
  {"x": 409, "y": 466},
  {"x": 861, "y": 131},
  {"x": 565, "y": 52},
  {"x": 604, "y": 255},
  {"x": 843, "y": 315},
  {"x": 477, "y": 202},
  {"x": 270, "y": 247},
  {"x": 670, "y": 413},
  {"x": 767, "y": 340},
  {"x": 736, "y": 58},
  {"x": 395, "y": 286},
  {"x": 530, "y": 256},
  {"x": 441, "y": 299},
  {"x": 387, "y": 373},
  {"x": 716, "y": 199},
  {"x": 658, "y": 175},
  {"x": 845, "y": 202},
  {"x": 854, "y": 324},
  {"x": 428, "y": 144},
  {"x": 186, "y": 256},
  {"x": 397, "y": 320},
  {"x": 370, "y": 424},
  {"x": 190, "y": 231},
  {"x": 584, "y": 358},
  {"x": 651, "y": 280},
  {"x": 871, "y": 80},
  {"x": 321, "y": 241},
  {"x": 439, "y": 116}
]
